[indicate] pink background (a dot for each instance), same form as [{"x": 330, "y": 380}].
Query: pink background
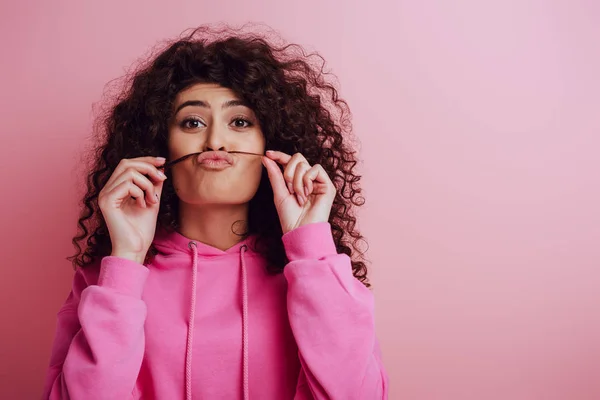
[{"x": 480, "y": 129}]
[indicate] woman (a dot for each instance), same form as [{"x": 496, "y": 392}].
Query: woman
[{"x": 232, "y": 273}]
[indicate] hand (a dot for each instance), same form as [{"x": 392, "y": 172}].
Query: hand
[
  {"x": 129, "y": 203},
  {"x": 302, "y": 194}
]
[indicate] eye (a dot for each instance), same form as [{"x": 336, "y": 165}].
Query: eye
[
  {"x": 241, "y": 122},
  {"x": 192, "y": 123}
]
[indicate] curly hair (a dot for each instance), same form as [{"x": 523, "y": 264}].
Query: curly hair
[{"x": 296, "y": 103}]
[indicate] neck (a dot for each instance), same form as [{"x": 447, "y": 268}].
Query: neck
[{"x": 218, "y": 226}]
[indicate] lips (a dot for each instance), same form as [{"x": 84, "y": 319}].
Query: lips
[{"x": 214, "y": 157}]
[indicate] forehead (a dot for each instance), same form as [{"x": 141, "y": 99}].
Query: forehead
[{"x": 209, "y": 92}]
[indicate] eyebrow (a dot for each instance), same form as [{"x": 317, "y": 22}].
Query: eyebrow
[{"x": 203, "y": 104}]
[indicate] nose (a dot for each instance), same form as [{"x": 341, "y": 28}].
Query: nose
[{"x": 215, "y": 139}]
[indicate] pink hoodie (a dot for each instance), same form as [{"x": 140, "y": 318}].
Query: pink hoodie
[{"x": 209, "y": 324}]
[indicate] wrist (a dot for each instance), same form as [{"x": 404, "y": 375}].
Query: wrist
[
  {"x": 310, "y": 241},
  {"x": 123, "y": 275},
  {"x": 135, "y": 257}
]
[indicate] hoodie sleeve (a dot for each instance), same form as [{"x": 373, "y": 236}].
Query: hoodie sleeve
[
  {"x": 331, "y": 314},
  {"x": 99, "y": 342}
]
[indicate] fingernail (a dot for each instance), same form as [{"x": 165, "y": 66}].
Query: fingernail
[
  {"x": 300, "y": 200},
  {"x": 161, "y": 159},
  {"x": 270, "y": 151},
  {"x": 306, "y": 191},
  {"x": 290, "y": 188},
  {"x": 161, "y": 174}
]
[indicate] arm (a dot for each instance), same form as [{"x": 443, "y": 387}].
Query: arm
[
  {"x": 99, "y": 343},
  {"x": 331, "y": 315}
]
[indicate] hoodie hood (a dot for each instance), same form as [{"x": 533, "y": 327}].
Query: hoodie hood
[{"x": 172, "y": 243}]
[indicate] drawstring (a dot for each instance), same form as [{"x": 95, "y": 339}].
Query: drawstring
[
  {"x": 190, "y": 335},
  {"x": 245, "y": 323}
]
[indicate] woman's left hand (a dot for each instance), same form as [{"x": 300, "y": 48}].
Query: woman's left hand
[{"x": 303, "y": 194}]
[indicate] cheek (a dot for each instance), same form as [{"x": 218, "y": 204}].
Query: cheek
[
  {"x": 180, "y": 144},
  {"x": 249, "y": 181},
  {"x": 243, "y": 182},
  {"x": 258, "y": 142},
  {"x": 172, "y": 146},
  {"x": 248, "y": 176}
]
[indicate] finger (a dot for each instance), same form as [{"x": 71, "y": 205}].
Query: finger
[
  {"x": 141, "y": 161},
  {"x": 308, "y": 179},
  {"x": 276, "y": 178},
  {"x": 279, "y": 156},
  {"x": 140, "y": 165},
  {"x": 125, "y": 190},
  {"x": 156, "y": 161},
  {"x": 298, "y": 181},
  {"x": 148, "y": 187},
  {"x": 317, "y": 176},
  {"x": 290, "y": 171},
  {"x": 140, "y": 180},
  {"x": 150, "y": 170}
]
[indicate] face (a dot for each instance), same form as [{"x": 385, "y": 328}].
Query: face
[{"x": 210, "y": 117}]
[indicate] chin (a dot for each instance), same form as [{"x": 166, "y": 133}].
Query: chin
[{"x": 225, "y": 199}]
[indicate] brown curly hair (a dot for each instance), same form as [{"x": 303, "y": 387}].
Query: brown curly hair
[{"x": 298, "y": 108}]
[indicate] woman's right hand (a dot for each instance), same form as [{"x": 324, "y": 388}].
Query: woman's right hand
[{"x": 129, "y": 203}]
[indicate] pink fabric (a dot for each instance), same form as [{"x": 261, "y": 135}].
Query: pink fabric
[
  {"x": 125, "y": 330},
  {"x": 245, "y": 340},
  {"x": 190, "y": 333}
]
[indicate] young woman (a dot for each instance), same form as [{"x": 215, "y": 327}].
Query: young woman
[{"x": 231, "y": 273}]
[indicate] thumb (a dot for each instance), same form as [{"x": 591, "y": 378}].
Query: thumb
[{"x": 280, "y": 189}]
